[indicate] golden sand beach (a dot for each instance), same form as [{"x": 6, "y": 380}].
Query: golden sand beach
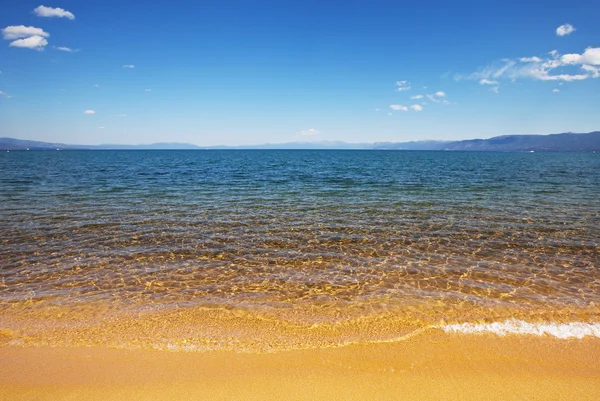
[{"x": 431, "y": 366}]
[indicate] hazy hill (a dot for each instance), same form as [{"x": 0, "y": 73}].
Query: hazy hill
[
  {"x": 542, "y": 143},
  {"x": 21, "y": 144},
  {"x": 567, "y": 142}
]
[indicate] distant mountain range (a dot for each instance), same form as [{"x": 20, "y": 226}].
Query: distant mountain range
[
  {"x": 568, "y": 142},
  {"x": 22, "y": 144}
]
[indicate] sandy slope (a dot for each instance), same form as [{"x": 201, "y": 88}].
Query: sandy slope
[{"x": 433, "y": 366}]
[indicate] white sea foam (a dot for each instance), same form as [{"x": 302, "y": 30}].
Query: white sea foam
[{"x": 513, "y": 326}]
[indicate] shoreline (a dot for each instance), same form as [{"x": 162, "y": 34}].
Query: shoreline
[
  {"x": 199, "y": 329},
  {"x": 433, "y": 366}
]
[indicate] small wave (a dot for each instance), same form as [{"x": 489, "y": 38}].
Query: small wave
[{"x": 513, "y": 326}]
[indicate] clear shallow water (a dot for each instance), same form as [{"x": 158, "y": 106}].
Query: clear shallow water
[{"x": 229, "y": 249}]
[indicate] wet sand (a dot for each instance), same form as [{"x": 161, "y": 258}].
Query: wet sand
[{"x": 431, "y": 366}]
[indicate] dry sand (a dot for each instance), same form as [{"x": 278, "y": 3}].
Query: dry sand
[{"x": 432, "y": 366}]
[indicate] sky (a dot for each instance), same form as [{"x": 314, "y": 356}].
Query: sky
[{"x": 251, "y": 72}]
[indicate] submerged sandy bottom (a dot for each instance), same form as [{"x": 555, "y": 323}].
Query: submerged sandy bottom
[{"x": 431, "y": 366}]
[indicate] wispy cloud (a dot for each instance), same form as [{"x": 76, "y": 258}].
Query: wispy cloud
[
  {"x": 147, "y": 90},
  {"x": 417, "y": 97},
  {"x": 89, "y": 112},
  {"x": 564, "y": 29},
  {"x": 416, "y": 107},
  {"x": 65, "y": 49},
  {"x": 595, "y": 71},
  {"x": 495, "y": 89},
  {"x": 398, "y": 107},
  {"x": 533, "y": 59},
  {"x": 22, "y": 31},
  {"x": 34, "y": 42},
  {"x": 129, "y": 66},
  {"x": 437, "y": 97},
  {"x": 309, "y": 132},
  {"x": 402, "y": 86},
  {"x": 486, "y": 81},
  {"x": 548, "y": 69},
  {"x": 555, "y": 90}
]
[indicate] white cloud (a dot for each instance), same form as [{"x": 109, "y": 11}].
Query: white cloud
[
  {"x": 129, "y": 66},
  {"x": 402, "y": 86},
  {"x": 398, "y": 107},
  {"x": 563, "y": 77},
  {"x": 310, "y": 131},
  {"x": 33, "y": 42},
  {"x": 595, "y": 71},
  {"x": 89, "y": 112},
  {"x": 555, "y": 90},
  {"x": 436, "y": 97},
  {"x": 495, "y": 89},
  {"x": 376, "y": 109},
  {"x": 22, "y": 31},
  {"x": 417, "y": 97},
  {"x": 549, "y": 69},
  {"x": 100, "y": 127},
  {"x": 416, "y": 107},
  {"x": 564, "y": 29},
  {"x": 591, "y": 55},
  {"x": 533, "y": 59},
  {"x": 64, "y": 49},
  {"x": 486, "y": 81},
  {"x": 43, "y": 11}
]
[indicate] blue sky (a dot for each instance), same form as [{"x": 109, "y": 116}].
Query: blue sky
[{"x": 239, "y": 72}]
